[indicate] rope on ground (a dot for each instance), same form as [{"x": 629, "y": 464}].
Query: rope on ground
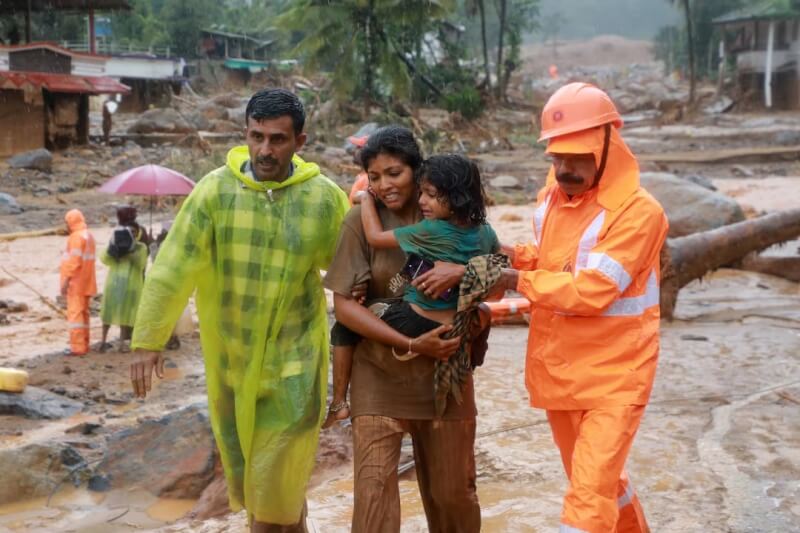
[{"x": 45, "y": 300}]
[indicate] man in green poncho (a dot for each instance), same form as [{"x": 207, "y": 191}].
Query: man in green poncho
[{"x": 251, "y": 238}]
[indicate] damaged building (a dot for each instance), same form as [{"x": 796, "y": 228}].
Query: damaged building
[
  {"x": 44, "y": 96},
  {"x": 764, "y": 38}
]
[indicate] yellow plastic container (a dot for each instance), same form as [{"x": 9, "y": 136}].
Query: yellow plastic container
[{"x": 13, "y": 380}]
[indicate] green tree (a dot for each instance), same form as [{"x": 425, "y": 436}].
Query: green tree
[
  {"x": 371, "y": 46},
  {"x": 515, "y": 18},
  {"x": 185, "y": 18},
  {"x": 699, "y": 35}
]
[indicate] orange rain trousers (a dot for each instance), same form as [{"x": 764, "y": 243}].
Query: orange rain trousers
[
  {"x": 78, "y": 319},
  {"x": 594, "y": 445}
]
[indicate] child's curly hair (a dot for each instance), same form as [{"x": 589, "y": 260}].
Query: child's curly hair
[{"x": 458, "y": 183}]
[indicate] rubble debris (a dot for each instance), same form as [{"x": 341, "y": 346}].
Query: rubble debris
[
  {"x": 160, "y": 121},
  {"x": 690, "y": 208},
  {"x": 11, "y": 306},
  {"x": 39, "y": 159}
]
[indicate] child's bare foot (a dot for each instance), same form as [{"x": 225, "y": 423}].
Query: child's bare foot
[{"x": 337, "y": 412}]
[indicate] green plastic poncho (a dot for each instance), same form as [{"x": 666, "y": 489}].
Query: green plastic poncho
[
  {"x": 254, "y": 250},
  {"x": 123, "y": 286}
]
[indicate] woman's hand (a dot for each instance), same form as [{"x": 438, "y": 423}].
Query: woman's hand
[
  {"x": 440, "y": 278},
  {"x": 432, "y": 345}
]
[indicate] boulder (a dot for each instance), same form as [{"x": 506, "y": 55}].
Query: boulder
[
  {"x": 38, "y": 404},
  {"x": 172, "y": 456},
  {"x": 9, "y": 205},
  {"x": 160, "y": 121},
  {"x": 35, "y": 470},
  {"x": 39, "y": 159},
  {"x": 505, "y": 181},
  {"x": 690, "y": 208},
  {"x": 702, "y": 181}
]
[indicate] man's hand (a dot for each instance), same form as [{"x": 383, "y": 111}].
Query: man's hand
[
  {"x": 507, "y": 282},
  {"x": 432, "y": 345},
  {"x": 65, "y": 288},
  {"x": 440, "y": 278},
  {"x": 508, "y": 250},
  {"x": 142, "y": 371}
]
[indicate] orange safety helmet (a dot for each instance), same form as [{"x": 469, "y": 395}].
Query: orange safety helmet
[{"x": 575, "y": 107}]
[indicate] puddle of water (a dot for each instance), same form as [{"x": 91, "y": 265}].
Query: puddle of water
[
  {"x": 170, "y": 509},
  {"x": 83, "y": 511}
]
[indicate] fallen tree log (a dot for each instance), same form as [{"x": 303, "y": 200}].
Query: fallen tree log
[
  {"x": 688, "y": 258},
  {"x": 57, "y": 230}
]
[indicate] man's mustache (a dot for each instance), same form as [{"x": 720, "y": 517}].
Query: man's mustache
[
  {"x": 266, "y": 160},
  {"x": 569, "y": 179}
]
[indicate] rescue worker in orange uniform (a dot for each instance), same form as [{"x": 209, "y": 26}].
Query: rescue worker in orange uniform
[
  {"x": 78, "y": 283},
  {"x": 592, "y": 277}
]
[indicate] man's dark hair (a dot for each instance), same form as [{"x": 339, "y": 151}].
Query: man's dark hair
[
  {"x": 274, "y": 103},
  {"x": 396, "y": 141},
  {"x": 458, "y": 183}
]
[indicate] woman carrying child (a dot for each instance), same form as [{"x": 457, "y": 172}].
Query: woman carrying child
[{"x": 393, "y": 393}]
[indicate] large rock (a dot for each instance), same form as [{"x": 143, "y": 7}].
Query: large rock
[
  {"x": 172, "y": 456},
  {"x": 39, "y": 159},
  {"x": 9, "y": 205},
  {"x": 505, "y": 181},
  {"x": 35, "y": 470},
  {"x": 690, "y": 208},
  {"x": 160, "y": 121},
  {"x": 37, "y": 403}
]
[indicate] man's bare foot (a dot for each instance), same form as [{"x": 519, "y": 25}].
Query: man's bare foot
[{"x": 337, "y": 412}]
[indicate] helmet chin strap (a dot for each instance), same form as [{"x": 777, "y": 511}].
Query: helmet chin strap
[{"x": 602, "y": 167}]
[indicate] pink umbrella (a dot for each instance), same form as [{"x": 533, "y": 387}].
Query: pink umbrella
[{"x": 149, "y": 180}]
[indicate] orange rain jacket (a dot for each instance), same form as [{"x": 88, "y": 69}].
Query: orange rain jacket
[
  {"x": 77, "y": 262},
  {"x": 592, "y": 275}
]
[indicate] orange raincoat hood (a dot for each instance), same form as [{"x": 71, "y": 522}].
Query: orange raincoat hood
[
  {"x": 620, "y": 178},
  {"x": 75, "y": 220}
]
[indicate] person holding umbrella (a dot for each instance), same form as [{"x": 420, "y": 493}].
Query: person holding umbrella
[
  {"x": 252, "y": 238},
  {"x": 126, "y": 258}
]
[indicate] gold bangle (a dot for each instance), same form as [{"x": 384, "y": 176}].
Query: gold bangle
[{"x": 405, "y": 356}]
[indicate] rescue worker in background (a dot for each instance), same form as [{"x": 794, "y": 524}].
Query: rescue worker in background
[
  {"x": 362, "y": 180},
  {"x": 252, "y": 238},
  {"x": 78, "y": 282},
  {"x": 592, "y": 277}
]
